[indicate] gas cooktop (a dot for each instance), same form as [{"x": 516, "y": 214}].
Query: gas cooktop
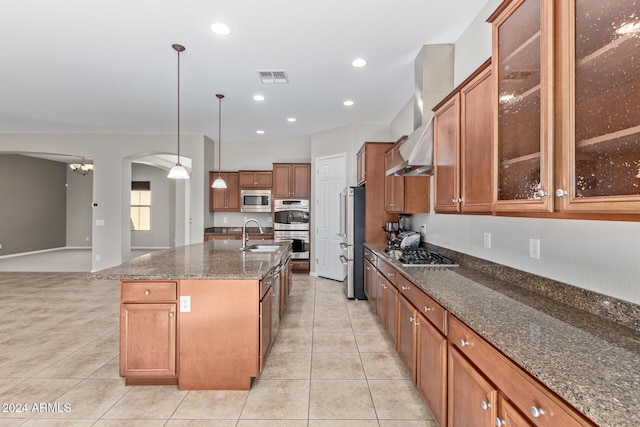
[{"x": 420, "y": 257}]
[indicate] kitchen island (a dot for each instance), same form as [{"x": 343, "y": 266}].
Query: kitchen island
[{"x": 201, "y": 316}]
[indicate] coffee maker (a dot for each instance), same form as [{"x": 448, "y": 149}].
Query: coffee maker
[{"x": 404, "y": 222}]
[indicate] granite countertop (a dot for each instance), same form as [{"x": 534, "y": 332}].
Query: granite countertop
[
  {"x": 591, "y": 362},
  {"x": 215, "y": 259},
  {"x": 237, "y": 230}
]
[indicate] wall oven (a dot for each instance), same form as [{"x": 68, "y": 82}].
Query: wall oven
[
  {"x": 255, "y": 200},
  {"x": 300, "y": 242},
  {"x": 291, "y": 222},
  {"x": 291, "y": 214}
]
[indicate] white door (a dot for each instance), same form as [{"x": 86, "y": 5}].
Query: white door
[{"x": 331, "y": 180}]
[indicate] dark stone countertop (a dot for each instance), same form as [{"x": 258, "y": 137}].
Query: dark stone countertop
[
  {"x": 215, "y": 259},
  {"x": 237, "y": 230},
  {"x": 591, "y": 362}
]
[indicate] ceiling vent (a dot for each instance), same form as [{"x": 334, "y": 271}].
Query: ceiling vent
[{"x": 273, "y": 77}]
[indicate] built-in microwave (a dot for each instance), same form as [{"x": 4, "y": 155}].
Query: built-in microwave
[{"x": 255, "y": 200}]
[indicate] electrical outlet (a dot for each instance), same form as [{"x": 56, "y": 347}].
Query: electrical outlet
[
  {"x": 97, "y": 257},
  {"x": 224, "y": 220},
  {"x": 185, "y": 303},
  {"x": 487, "y": 240},
  {"x": 0, "y": 245},
  {"x": 534, "y": 248}
]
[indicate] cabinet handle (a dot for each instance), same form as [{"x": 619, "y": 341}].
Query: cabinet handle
[
  {"x": 536, "y": 412},
  {"x": 561, "y": 193},
  {"x": 541, "y": 193},
  {"x": 428, "y": 308},
  {"x": 453, "y": 201},
  {"x": 391, "y": 274},
  {"x": 147, "y": 292},
  {"x": 404, "y": 288},
  {"x": 464, "y": 343},
  {"x": 500, "y": 422},
  {"x": 413, "y": 321},
  {"x": 171, "y": 314},
  {"x": 485, "y": 405},
  {"x": 459, "y": 200}
]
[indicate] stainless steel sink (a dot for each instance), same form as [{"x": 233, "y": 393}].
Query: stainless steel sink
[{"x": 262, "y": 248}]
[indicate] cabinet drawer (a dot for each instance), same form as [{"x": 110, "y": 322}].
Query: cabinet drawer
[
  {"x": 370, "y": 256},
  {"x": 539, "y": 404},
  {"x": 148, "y": 291},
  {"x": 388, "y": 272},
  {"x": 425, "y": 304}
]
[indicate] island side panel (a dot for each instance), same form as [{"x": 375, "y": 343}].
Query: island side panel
[{"x": 218, "y": 347}]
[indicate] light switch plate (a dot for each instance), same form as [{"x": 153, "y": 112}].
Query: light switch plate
[
  {"x": 534, "y": 248},
  {"x": 487, "y": 240},
  {"x": 185, "y": 303}
]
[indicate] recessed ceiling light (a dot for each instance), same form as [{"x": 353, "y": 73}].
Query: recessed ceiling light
[
  {"x": 359, "y": 62},
  {"x": 291, "y": 119},
  {"x": 220, "y": 29},
  {"x": 348, "y": 103},
  {"x": 258, "y": 98},
  {"x": 260, "y": 132}
]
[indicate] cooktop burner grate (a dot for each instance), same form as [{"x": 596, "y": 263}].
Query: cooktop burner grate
[{"x": 420, "y": 257}]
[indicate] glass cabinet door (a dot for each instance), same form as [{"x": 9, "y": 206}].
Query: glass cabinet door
[
  {"x": 522, "y": 61},
  {"x": 604, "y": 124}
]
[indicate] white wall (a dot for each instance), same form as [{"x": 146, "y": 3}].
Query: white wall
[
  {"x": 162, "y": 196},
  {"x": 600, "y": 256},
  {"x": 113, "y": 155},
  {"x": 79, "y": 192}
]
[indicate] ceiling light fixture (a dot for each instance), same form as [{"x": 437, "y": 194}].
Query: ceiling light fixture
[
  {"x": 348, "y": 103},
  {"x": 359, "y": 62},
  {"x": 291, "y": 119},
  {"x": 258, "y": 98},
  {"x": 260, "y": 132},
  {"x": 178, "y": 171},
  {"x": 83, "y": 168},
  {"x": 219, "y": 182},
  {"x": 220, "y": 29}
]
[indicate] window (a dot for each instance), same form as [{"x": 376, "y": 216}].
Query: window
[{"x": 141, "y": 205}]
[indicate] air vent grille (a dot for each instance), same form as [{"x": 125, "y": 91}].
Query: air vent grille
[{"x": 273, "y": 77}]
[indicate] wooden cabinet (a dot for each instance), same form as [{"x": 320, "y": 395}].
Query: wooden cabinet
[
  {"x": 404, "y": 194},
  {"x": 598, "y": 88},
  {"x": 387, "y": 302},
  {"x": 255, "y": 179},
  {"x": 522, "y": 61},
  {"x": 370, "y": 274},
  {"x": 209, "y": 236},
  {"x": 266, "y": 313},
  {"x": 225, "y": 199},
  {"x": 407, "y": 333},
  {"x": 527, "y": 398},
  {"x": 361, "y": 166},
  {"x": 472, "y": 399},
  {"x": 371, "y": 161},
  {"x": 463, "y": 145},
  {"x": 431, "y": 369},
  {"x": 148, "y": 319},
  {"x": 292, "y": 180}
]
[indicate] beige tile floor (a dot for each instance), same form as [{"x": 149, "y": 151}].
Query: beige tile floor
[{"x": 331, "y": 365}]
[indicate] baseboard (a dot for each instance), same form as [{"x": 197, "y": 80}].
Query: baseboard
[{"x": 41, "y": 251}]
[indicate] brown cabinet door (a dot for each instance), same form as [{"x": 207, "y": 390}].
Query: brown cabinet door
[
  {"x": 407, "y": 323},
  {"x": 472, "y": 399},
  {"x": 510, "y": 417},
  {"x": 360, "y": 166},
  {"x": 476, "y": 141},
  {"x": 446, "y": 156},
  {"x": 391, "y": 312},
  {"x": 281, "y": 181},
  {"x": 256, "y": 179},
  {"x": 148, "y": 340},
  {"x": 225, "y": 199},
  {"x": 301, "y": 184},
  {"x": 522, "y": 63},
  {"x": 431, "y": 374},
  {"x": 266, "y": 306}
]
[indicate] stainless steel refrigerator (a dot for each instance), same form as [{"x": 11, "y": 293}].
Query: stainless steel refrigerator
[{"x": 353, "y": 207}]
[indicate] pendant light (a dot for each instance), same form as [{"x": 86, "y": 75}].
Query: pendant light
[
  {"x": 178, "y": 171},
  {"x": 219, "y": 182}
]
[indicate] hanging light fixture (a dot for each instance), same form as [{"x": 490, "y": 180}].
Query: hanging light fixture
[
  {"x": 219, "y": 182},
  {"x": 178, "y": 171},
  {"x": 83, "y": 168}
]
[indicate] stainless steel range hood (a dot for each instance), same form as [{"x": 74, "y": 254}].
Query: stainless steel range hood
[
  {"x": 433, "y": 81},
  {"x": 415, "y": 154}
]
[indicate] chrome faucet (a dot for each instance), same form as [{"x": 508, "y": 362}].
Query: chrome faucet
[{"x": 245, "y": 238}]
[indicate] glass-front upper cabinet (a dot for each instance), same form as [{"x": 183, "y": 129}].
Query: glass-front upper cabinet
[
  {"x": 523, "y": 66},
  {"x": 601, "y": 57}
]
